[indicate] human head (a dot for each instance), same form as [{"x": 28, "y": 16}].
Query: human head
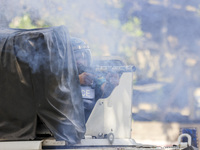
[{"x": 81, "y": 51}]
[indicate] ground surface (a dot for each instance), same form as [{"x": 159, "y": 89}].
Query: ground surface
[{"x": 158, "y": 133}]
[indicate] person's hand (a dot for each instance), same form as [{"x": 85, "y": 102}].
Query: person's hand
[
  {"x": 113, "y": 78},
  {"x": 86, "y": 78}
]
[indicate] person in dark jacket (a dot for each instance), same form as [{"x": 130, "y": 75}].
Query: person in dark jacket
[{"x": 93, "y": 86}]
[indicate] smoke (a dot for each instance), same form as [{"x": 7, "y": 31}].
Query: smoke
[
  {"x": 35, "y": 57},
  {"x": 86, "y": 19},
  {"x": 161, "y": 38}
]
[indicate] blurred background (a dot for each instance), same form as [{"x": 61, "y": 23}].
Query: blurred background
[{"x": 160, "y": 37}]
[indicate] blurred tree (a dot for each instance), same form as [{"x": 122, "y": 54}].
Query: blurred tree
[
  {"x": 133, "y": 27},
  {"x": 25, "y": 22}
]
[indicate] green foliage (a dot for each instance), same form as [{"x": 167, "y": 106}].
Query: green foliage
[
  {"x": 114, "y": 23},
  {"x": 133, "y": 27},
  {"x": 25, "y": 22}
]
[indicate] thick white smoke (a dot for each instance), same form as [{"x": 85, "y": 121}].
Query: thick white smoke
[{"x": 166, "y": 54}]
